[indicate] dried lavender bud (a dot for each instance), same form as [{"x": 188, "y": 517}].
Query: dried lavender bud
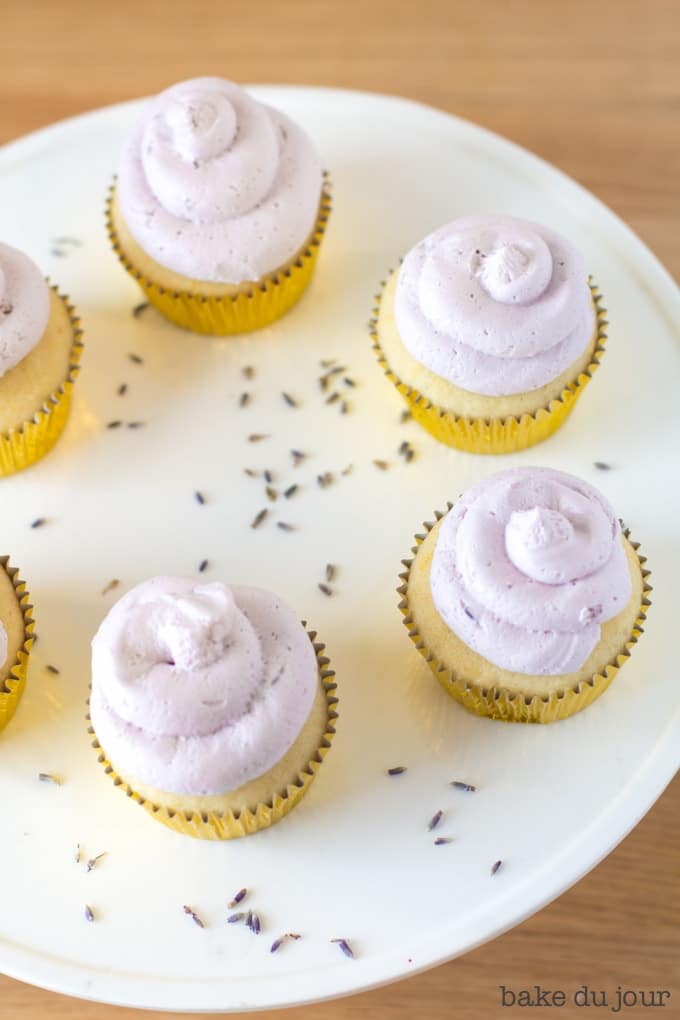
[
  {"x": 193, "y": 915},
  {"x": 257, "y": 437},
  {"x": 68, "y": 240},
  {"x": 77, "y": 854},
  {"x": 52, "y": 669},
  {"x": 136, "y": 358},
  {"x": 115, "y": 424},
  {"x": 325, "y": 589},
  {"x": 199, "y": 497},
  {"x": 333, "y": 397},
  {"x": 325, "y": 479},
  {"x": 405, "y": 416},
  {"x": 396, "y": 770},
  {"x": 435, "y": 820},
  {"x": 298, "y": 456},
  {"x": 268, "y": 476},
  {"x": 336, "y": 369},
  {"x": 272, "y": 494},
  {"x": 349, "y": 382},
  {"x": 248, "y": 371},
  {"x": 243, "y": 399},
  {"x": 404, "y": 446},
  {"x": 284, "y": 526},
  {"x": 409, "y": 455},
  {"x": 249, "y": 919},
  {"x": 251, "y": 472},
  {"x": 291, "y": 401},
  {"x": 238, "y": 898},
  {"x": 348, "y": 470},
  {"x": 202, "y": 566},
  {"x": 601, "y": 466},
  {"x": 38, "y": 522},
  {"x": 496, "y": 866},
  {"x": 382, "y": 465},
  {"x": 235, "y": 918},
  {"x": 442, "y": 840},
  {"x": 469, "y": 613},
  {"x": 344, "y": 946},
  {"x": 136, "y": 424},
  {"x": 255, "y": 925},
  {"x": 466, "y": 787},
  {"x": 344, "y": 407},
  {"x": 137, "y": 311},
  {"x": 47, "y": 777},
  {"x": 113, "y": 583},
  {"x": 330, "y": 571},
  {"x": 276, "y": 944},
  {"x": 290, "y": 491},
  {"x": 122, "y": 389},
  {"x": 89, "y": 913},
  {"x": 327, "y": 362},
  {"x": 258, "y": 518},
  {"x": 93, "y": 861}
]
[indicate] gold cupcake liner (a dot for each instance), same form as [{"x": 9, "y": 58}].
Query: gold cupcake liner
[
  {"x": 23, "y": 446},
  {"x": 229, "y": 825},
  {"x": 494, "y": 435},
  {"x": 238, "y": 313},
  {"x": 512, "y": 706},
  {"x": 13, "y": 687}
]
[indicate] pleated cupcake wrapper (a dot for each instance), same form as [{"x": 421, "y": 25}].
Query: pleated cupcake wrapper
[
  {"x": 23, "y": 446},
  {"x": 494, "y": 435},
  {"x": 228, "y": 825},
  {"x": 238, "y": 313},
  {"x": 13, "y": 687},
  {"x": 511, "y": 706}
]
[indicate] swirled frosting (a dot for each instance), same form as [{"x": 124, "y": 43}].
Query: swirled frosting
[
  {"x": 24, "y": 306},
  {"x": 199, "y": 688},
  {"x": 217, "y": 186},
  {"x": 495, "y": 305},
  {"x": 527, "y": 565}
]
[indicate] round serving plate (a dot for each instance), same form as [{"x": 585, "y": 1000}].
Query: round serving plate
[{"x": 356, "y": 860}]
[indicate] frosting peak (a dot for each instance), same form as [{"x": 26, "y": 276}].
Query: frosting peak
[
  {"x": 527, "y": 565},
  {"x": 200, "y": 687},
  {"x": 216, "y": 186},
  {"x": 495, "y": 305},
  {"x": 24, "y": 306}
]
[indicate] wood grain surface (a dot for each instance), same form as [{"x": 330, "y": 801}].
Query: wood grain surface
[{"x": 593, "y": 87}]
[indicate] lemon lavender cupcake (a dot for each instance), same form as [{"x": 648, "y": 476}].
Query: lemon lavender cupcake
[
  {"x": 526, "y": 597},
  {"x": 219, "y": 207},
  {"x": 210, "y": 705},
  {"x": 490, "y": 330},
  {"x": 16, "y": 630},
  {"x": 40, "y": 347}
]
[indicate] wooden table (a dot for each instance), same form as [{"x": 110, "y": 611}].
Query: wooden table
[{"x": 592, "y": 87}]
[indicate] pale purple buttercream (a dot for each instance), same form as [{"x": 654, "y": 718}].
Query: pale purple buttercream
[
  {"x": 527, "y": 565},
  {"x": 24, "y": 306},
  {"x": 216, "y": 186},
  {"x": 494, "y": 304},
  {"x": 199, "y": 688}
]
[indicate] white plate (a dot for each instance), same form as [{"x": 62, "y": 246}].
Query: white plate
[{"x": 355, "y": 860}]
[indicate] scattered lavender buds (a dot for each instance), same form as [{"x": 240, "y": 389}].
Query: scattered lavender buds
[
  {"x": 257, "y": 437},
  {"x": 238, "y": 898},
  {"x": 138, "y": 309},
  {"x": 435, "y": 820},
  {"x": 602, "y": 466},
  {"x": 47, "y": 777},
  {"x": 193, "y": 915},
  {"x": 115, "y": 424},
  {"x": 122, "y": 389},
  {"x": 268, "y": 476},
  {"x": 52, "y": 669},
  {"x": 235, "y": 918},
  {"x": 441, "y": 840},
  {"x": 330, "y": 571},
  {"x": 298, "y": 457},
  {"x": 136, "y": 424},
  {"x": 277, "y": 943},
  {"x": 38, "y": 522},
  {"x": 284, "y": 526},
  {"x": 290, "y": 491},
  {"x": 199, "y": 497},
  {"x": 495, "y": 867},
  {"x": 255, "y": 925},
  {"x": 77, "y": 854},
  {"x": 325, "y": 479},
  {"x": 382, "y": 465},
  {"x": 248, "y": 372},
  {"x": 137, "y": 359},
  {"x": 345, "y": 947},
  {"x": 271, "y": 492},
  {"x": 404, "y": 417},
  {"x": 291, "y": 401},
  {"x": 89, "y": 913},
  {"x": 325, "y": 590},
  {"x": 396, "y": 770},
  {"x": 202, "y": 566},
  {"x": 344, "y": 407},
  {"x": 251, "y": 472},
  {"x": 93, "y": 861},
  {"x": 327, "y": 362},
  {"x": 347, "y": 471},
  {"x": 113, "y": 583},
  {"x": 333, "y": 397},
  {"x": 349, "y": 382},
  {"x": 244, "y": 400},
  {"x": 466, "y": 787},
  {"x": 258, "y": 518}
]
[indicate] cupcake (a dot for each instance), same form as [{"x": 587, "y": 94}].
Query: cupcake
[
  {"x": 526, "y": 597},
  {"x": 16, "y": 630},
  {"x": 219, "y": 207},
  {"x": 40, "y": 347},
  {"x": 490, "y": 330},
  {"x": 210, "y": 705}
]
